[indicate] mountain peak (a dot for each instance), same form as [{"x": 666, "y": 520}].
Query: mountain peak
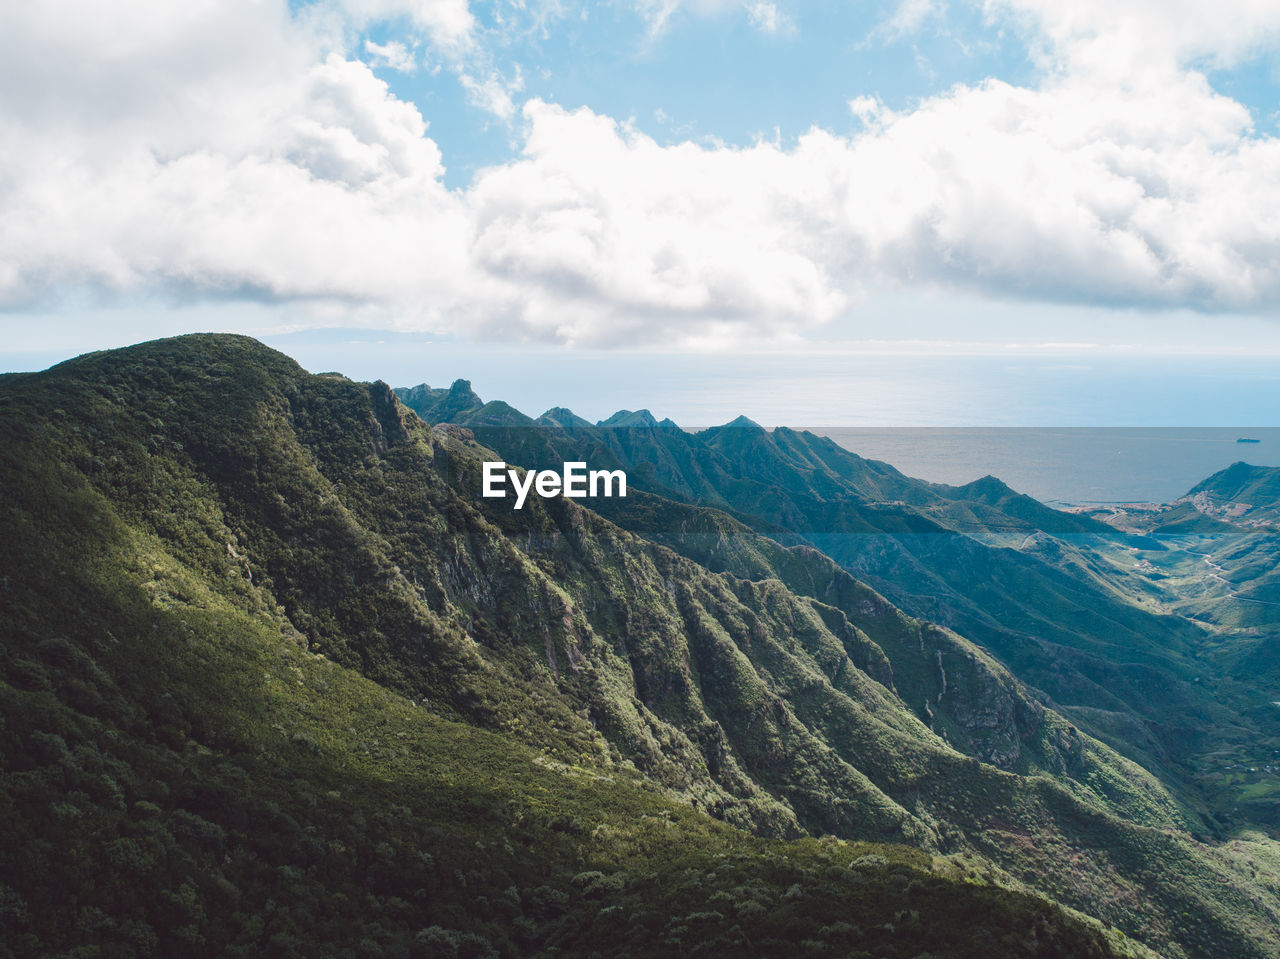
[
  {"x": 987, "y": 487},
  {"x": 630, "y": 418},
  {"x": 1243, "y": 481},
  {"x": 440, "y": 406},
  {"x": 743, "y": 422},
  {"x": 987, "y": 480},
  {"x": 563, "y": 416},
  {"x": 199, "y": 349}
]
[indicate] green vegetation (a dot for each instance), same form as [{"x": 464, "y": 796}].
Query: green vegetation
[
  {"x": 181, "y": 779},
  {"x": 1212, "y": 559},
  {"x": 1036, "y": 588},
  {"x": 277, "y": 680}
]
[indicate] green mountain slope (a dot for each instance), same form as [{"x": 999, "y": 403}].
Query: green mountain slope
[
  {"x": 180, "y": 778},
  {"x": 213, "y": 486},
  {"x": 1214, "y": 561},
  {"x": 1244, "y": 491},
  {"x": 1023, "y": 580}
]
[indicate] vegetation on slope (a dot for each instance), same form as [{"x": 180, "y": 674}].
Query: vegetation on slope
[
  {"x": 1215, "y": 562},
  {"x": 321, "y": 511},
  {"x": 999, "y": 568},
  {"x": 182, "y": 777}
]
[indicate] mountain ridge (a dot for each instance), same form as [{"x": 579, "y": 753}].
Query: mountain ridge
[
  {"x": 210, "y": 477},
  {"x": 964, "y": 557}
]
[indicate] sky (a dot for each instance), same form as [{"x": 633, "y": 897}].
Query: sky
[{"x": 522, "y": 184}]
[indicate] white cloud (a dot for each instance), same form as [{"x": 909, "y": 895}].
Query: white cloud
[
  {"x": 764, "y": 16},
  {"x": 1154, "y": 198},
  {"x": 226, "y": 149},
  {"x": 1116, "y": 39},
  {"x": 609, "y": 236},
  {"x": 767, "y": 18},
  {"x": 657, "y": 13},
  {"x": 448, "y": 23},
  {"x": 908, "y": 17},
  {"x": 275, "y": 168},
  {"x": 1045, "y": 195},
  {"x": 392, "y": 54},
  {"x": 493, "y": 94},
  {"x": 867, "y": 109}
]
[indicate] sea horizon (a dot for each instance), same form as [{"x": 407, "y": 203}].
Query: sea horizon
[{"x": 1066, "y": 466}]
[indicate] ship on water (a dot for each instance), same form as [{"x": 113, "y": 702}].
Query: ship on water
[{"x": 1247, "y": 439}]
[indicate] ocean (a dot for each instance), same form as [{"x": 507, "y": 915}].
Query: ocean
[{"x": 1073, "y": 465}]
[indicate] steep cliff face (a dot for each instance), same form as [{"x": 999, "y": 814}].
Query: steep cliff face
[
  {"x": 960, "y": 692},
  {"x": 757, "y": 683}
]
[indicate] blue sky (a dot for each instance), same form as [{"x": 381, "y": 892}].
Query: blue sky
[
  {"x": 1006, "y": 178},
  {"x": 716, "y": 77},
  {"x": 723, "y": 77}
]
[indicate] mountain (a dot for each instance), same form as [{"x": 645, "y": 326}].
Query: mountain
[
  {"x": 1248, "y": 494},
  {"x": 1032, "y": 585},
  {"x": 278, "y": 679}
]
